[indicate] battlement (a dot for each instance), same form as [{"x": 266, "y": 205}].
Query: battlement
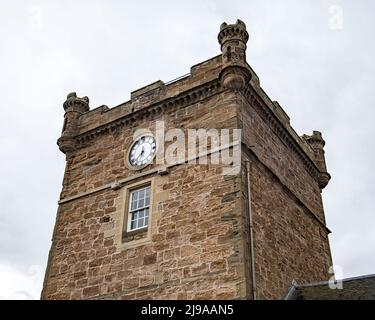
[
  {"x": 155, "y": 93},
  {"x": 227, "y": 71}
]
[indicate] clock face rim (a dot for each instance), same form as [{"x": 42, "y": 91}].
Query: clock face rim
[{"x": 131, "y": 148}]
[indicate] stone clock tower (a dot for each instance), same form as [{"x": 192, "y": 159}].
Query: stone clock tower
[{"x": 132, "y": 226}]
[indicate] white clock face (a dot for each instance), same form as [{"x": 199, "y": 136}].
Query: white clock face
[{"x": 142, "y": 151}]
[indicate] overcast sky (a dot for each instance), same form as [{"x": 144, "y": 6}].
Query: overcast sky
[{"x": 316, "y": 57}]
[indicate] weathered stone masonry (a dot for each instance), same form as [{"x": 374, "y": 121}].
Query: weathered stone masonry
[{"x": 197, "y": 245}]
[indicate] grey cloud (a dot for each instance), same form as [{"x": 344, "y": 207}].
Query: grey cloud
[{"x": 106, "y": 49}]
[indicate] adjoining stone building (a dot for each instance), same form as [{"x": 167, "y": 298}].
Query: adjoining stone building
[{"x": 130, "y": 228}]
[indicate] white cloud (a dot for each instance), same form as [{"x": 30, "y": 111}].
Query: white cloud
[{"x": 17, "y": 284}]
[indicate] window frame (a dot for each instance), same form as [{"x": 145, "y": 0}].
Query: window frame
[{"x": 130, "y": 212}]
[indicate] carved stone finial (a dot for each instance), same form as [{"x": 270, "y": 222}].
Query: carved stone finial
[
  {"x": 240, "y": 22},
  {"x": 223, "y": 25},
  {"x": 72, "y": 95},
  {"x": 86, "y": 99}
]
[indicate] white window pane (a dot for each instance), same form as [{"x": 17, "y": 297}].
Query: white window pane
[
  {"x": 147, "y": 193},
  {"x": 135, "y": 215},
  {"x": 134, "y": 195},
  {"x": 133, "y": 224},
  {"x": 133, "y": 205},
  {"x": 139, "y": 199},
  {"x": 140, "y": 223},
  {"x": 141, "y": 203},
  {"x": 147, "y": 199}
]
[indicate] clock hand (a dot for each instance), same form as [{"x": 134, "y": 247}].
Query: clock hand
[{"x": 142, "y": 152}]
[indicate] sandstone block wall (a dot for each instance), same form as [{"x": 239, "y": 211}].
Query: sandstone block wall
[{"x": 194, "y": 248}]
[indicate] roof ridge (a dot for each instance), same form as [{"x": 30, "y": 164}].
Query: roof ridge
[{"x": 369, "y": 276}]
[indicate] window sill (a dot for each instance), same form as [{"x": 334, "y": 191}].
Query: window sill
[{"x": 133, "y": 235}]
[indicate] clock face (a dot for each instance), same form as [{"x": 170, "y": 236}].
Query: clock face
[{"x": 142, "y": 151}]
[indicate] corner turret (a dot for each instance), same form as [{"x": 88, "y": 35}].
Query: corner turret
[
  {"x": 233, "y": 38},
  {"x": 317, "y": 143},
  {"x": 74, "y": 107}
]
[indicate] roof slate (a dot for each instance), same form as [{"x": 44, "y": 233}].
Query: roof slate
[{"x": 359, "y": 288}]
